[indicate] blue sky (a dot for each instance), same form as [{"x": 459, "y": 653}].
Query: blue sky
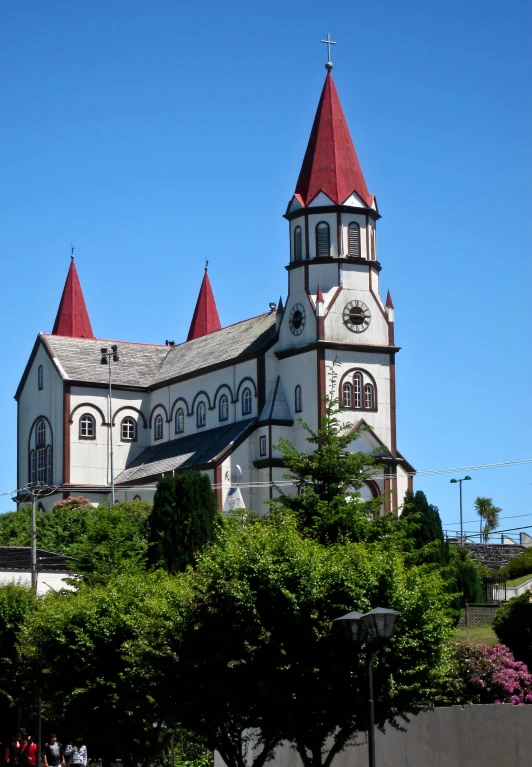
[{"x": 153, "y": 134}]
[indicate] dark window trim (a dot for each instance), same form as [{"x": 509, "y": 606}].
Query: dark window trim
[
  {"x": 200, "y": 409},
  {"x": 246, "y": 411},
  {"x": 40, "y": 378},
  {"x": 220, "y": 402},
  {"x": 296, "y": 231},
  {"x": 135, "y": 428},
  {"x": 93, "y": 420},
  {"x": 182, "y": 411},
  {"x": 158, "y": 420},
  {"x": 317, "y": 253},
  {"x": 353, "y": 225},
  {"x": 263, "y": 447},
  {"x": 366, "y": 378},
  {"x": 300, "y": 408}
]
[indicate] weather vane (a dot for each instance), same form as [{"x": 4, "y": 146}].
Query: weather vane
[
  {"x": 206, "y": 263},
  {"x": 71, "y": 250},
  {"x": 329, "y": 42}
]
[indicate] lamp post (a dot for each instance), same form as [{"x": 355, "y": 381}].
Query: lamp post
[
  {"x": 107, "y": 357},
  {"x": 374, "y": 629},
  {"x": 453, "y": 482}
]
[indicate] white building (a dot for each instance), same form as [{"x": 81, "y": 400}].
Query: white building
[{"x": 220, "y": 401}]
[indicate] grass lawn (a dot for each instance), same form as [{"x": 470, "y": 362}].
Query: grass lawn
[
  {"x": 520, "y": 579},
  {"x": 477, "y": 635}
]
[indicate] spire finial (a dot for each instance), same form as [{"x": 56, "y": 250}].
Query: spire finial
[
  {"x": 206, "y": 264},
  {"x": 72, "y": 250},
  {"x": 328, "y": 65}
]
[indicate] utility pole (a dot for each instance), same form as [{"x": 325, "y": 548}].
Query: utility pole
[
  {"x": 106, "y": 358},
  {"x": 454, "y": 481}
]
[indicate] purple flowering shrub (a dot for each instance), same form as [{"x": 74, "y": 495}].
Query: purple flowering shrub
[
  {"x": 73, "y": 502},
  {"x": 488, "y": 675}
]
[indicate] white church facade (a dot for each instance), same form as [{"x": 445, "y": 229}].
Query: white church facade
[{"x": 220, "y": 401}]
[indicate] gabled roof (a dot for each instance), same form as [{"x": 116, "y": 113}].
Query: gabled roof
[
  {"x": 205, "y": 319},
  {"x": 331, "y": 164},
  {"x": 276, "y": 407},
  {"x": 19, "y": 558},
  {"x": 72, "y": 317},
  {"x": 148, "y": 365},
  {"x": 184, "y": 453}
]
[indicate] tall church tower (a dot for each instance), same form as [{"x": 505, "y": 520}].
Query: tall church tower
[{"x": 334, "y": 305}]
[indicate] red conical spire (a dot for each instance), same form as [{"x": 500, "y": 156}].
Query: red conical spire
[
  {"x": 205, "y": 319},
  {"x": 389, "y": 303},
  {"x": 330, "y": 164},
  {"x": 72, "y": 317}
]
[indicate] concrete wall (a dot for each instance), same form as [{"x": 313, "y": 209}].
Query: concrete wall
[{"x": 472, "y": 736}]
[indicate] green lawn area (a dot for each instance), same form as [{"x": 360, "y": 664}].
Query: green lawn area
[
  {"x": 477, "y": 635},
  {"x": 520, "y": 579}
]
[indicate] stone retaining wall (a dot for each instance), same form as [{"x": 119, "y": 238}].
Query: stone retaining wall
[{"x": 494, "y": 555}]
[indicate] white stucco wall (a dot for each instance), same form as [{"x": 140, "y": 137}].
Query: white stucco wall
[{"x": 45, "y": 581}]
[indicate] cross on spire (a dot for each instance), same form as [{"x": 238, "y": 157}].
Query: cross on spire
[{"x": 329, "y": 42}]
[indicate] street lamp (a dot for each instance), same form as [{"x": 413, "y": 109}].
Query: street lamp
[
  {"x": 453, "y": 482},
  {"x": 374, "y": 629},
  {"x": 107, "y": 357}
]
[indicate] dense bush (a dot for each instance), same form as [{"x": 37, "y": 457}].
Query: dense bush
[
  {"x": 513, "y": 626},
  {"x": 521, "y": 565},
  {"x": 480, "y": 674}
]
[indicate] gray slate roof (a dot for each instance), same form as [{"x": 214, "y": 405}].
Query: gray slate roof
[
  {"x": 183, "y": 453},
  {"x": 19, "y": 558},
  {"x": 145, "y": 365}
]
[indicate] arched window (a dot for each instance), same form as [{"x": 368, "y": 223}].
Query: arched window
[
  {"x": 372, "y": 242},
  {"x": 179, "y": 421},
  {"x": 223, "y": 408},
  {"x": 41, "y": 465},
  {"x": 323, "y": 240},
  {"x": 354, "y": 240},
  {"x": 33, "y": 467},
  {"x": 246, "y": 402},
  {"x": 298, "y": 248},
  {"x": 158, "y": 427},
  {"x": 87, "y": 426},
  {"x": 49, "y": 465},
  {"x": 298, "y": 399},
  {"x": 347, "y": 395},
  {"x": 40, "y": 377},
  {"x": 41, "y": 434},
  {"x": 357, "y": 382},
  {"x": 129, "y": 429},
  {"x": 368, "y": 397},
  {"x": 201, "y": 415}
]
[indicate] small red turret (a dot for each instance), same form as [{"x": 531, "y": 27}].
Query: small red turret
[
  {"x": 205, "y": 319},
  {"x": 72, "y": 317}
]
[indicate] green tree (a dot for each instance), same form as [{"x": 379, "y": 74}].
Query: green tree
[
  {"x": 513, "y": 626},
  {"x": 184, "y": 518},
  {"x": 77, "y": 650},
  {"x": 259, "y": 648},
  {"x": 421, "y": 529},
  {"x": 328, "y": 504},
  {"x": 16, "y": 602}
]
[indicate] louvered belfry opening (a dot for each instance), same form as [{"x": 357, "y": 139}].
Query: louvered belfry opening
[
  {"x": 298, "y": 250},
  {"x": 323, "y": 240},
  {"x": 354, "y": 240},
  {"x": 372, "y": 244}
]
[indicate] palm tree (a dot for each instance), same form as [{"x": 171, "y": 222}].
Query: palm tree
[
  {"x": 482, "y": 507},
  {"x": 492, "y": 520}
]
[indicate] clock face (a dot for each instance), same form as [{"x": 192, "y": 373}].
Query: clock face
[
  {"x": 356, "y": 316},
  {"x": 296, "y": 321}
]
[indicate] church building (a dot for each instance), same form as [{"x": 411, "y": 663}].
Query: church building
[{"x": 220, "y": 401}]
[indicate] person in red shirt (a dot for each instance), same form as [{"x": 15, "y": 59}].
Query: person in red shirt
[{"x": 29, "y": 752}]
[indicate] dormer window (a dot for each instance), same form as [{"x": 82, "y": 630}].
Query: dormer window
[
  {"x": 40, "y": 378},
  {"x": 323, "y": 240},
  {"x": 298, "y": 246},
  {"x": 354, "y": 240}
]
